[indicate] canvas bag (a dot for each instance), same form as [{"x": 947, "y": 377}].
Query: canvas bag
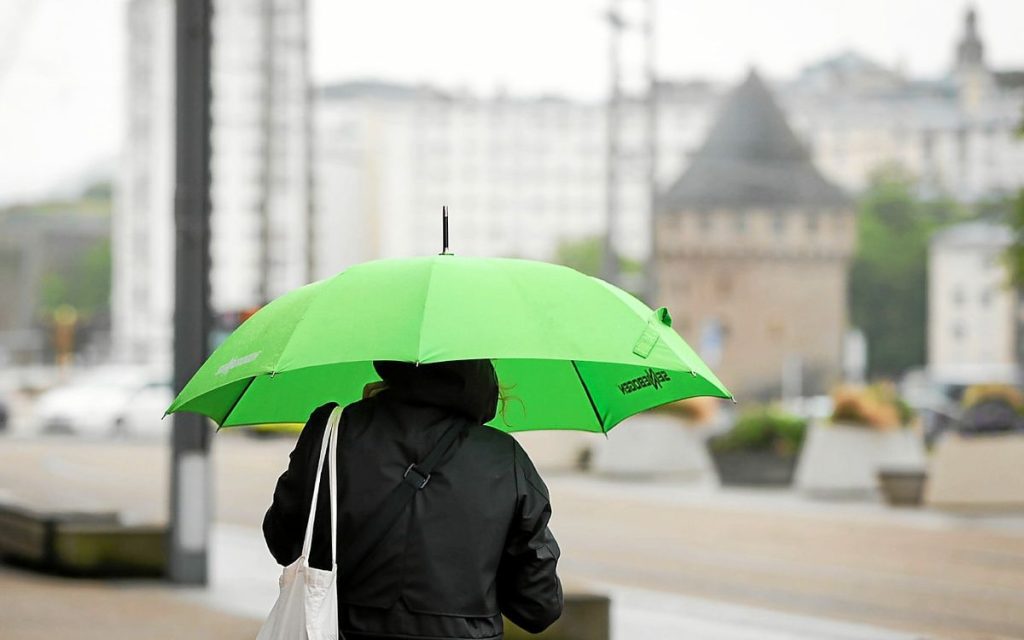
[{"x": 307, "y": 607}]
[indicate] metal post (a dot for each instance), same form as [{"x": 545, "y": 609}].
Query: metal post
[
  {"x": 651, "y": 268},
  {"x": 309, "y": 106},
  {"x": 266, "y": 183},
  {"x": 190, "y": 443},
  {"x": 610, "y": 258}
]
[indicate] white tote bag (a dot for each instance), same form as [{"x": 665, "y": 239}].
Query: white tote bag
[{"x": 307, "y": 608}]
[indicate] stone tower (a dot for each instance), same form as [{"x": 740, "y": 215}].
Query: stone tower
[
  {"x": 753, "y": 250},
  {"x": 971, "y": 75}
]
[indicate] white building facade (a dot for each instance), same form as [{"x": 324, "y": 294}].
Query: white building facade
[
  {"x": 523, "y": 175},
  {"x": 259, "y": 168},
  {"x": 972, "y": 309},
  {"x": 520, "y": 176},
  {"x": 142, "y": 296}
]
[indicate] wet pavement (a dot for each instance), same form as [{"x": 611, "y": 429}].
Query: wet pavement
[{"x": 679, "y": 559}]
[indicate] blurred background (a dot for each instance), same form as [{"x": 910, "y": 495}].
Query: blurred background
[{"x": 828, "y": 197}]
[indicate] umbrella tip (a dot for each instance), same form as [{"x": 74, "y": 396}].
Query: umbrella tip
[{"x": 444, "y": 230}]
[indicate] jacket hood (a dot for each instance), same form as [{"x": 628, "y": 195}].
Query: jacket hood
[{"x": 467, "y": 387}]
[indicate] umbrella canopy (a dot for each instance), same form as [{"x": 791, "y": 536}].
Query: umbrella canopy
[{"x": 572, "y": 351}]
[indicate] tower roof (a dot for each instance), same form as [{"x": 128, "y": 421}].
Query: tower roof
[
  {"x": 751, "y": 158},
  {"x": 970, "y": 52}
]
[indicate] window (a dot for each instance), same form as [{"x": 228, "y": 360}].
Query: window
[
  {"x": 812, "y": 222},
  {"x": 959, "y": 297},
  {"x": 741, "y": 221},
  {"x": 985, "y": 299},
  {"x": 959, "y": 333},
  {"x": 779, "y": 222},
  {"x": 705, "y": 220},
  {"x": 724, "y": 285}
]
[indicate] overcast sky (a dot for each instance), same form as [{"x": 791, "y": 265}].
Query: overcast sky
[{"x": 62, "y": 61}]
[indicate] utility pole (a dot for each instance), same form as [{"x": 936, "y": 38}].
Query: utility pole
[
  {"x": 310, "y": 151},
  {"x": 266, "y": 183},
  {"x": 651, "y": 266},
  {"x": 610, "y": 256},
  {"x": 619, "y": 154},
  {"x": 190, "y": 441}
]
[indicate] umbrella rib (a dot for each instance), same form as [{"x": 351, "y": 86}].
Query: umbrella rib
[
  {"x": 586, "y": 390},
  {"x": 423, "y": 320},
  {"x": 235, "y": 403}
]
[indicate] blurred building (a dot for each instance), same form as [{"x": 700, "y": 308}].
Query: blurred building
[
  {"x": 523, "y": 175},
  {"x": 972, "y": 309},
  {"x": 955, "y": 133},
  {"x": 260, "y": 167},
  {"x": 520, "y": 175},
  {"x": 142, "y": 299},
  {"x": 753, "y": 249}
]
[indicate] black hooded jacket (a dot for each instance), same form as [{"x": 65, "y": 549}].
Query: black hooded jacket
[{"x": 472, "y": 545}]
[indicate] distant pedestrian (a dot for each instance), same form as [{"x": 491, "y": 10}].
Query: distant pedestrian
[{"x": 472, "y": 543}]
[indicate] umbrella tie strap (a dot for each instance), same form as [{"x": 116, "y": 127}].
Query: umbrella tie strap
[
  {"x": 419, "y": 479},
  {"x": 364, "y": 540}
]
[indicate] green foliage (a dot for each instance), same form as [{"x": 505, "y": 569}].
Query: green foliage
[
  {"x": 889, "y": 278},
  {"x": 54, "y": 291},
  {"x": 585, "y": 256},
  {"x": 1015, "y": 254},
  {"x": 103, "y": 190},
  {"x": 86, "y": 288},
  {"x": 764, "y": 429}
]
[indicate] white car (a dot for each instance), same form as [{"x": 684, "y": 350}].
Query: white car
[
  {"x": 143, "y": 413},
  {"x": 103, "y": 402}
]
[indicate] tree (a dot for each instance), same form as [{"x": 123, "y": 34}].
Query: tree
[
  {"x": 1015, "y": 254},
  {"x": 102, "y": 190},
  {"x": 585, "y": 255},
  {"x": 889, "y": 277},
  {"x": 86, "y": 286}
]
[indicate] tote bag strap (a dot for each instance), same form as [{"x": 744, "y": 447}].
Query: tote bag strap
[{"x": 329, "y": 445}]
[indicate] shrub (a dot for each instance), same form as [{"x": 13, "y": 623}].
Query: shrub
[
  {"x": 763, "y": 429},
  {"x": 877, "y": 406},
  {"x": 696, "y": 411},
  {"x": 992, "y": 408},
  {"x": 978, "y": 393}
]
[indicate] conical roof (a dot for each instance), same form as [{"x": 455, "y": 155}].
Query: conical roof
[{"x": 751, "y": 158}]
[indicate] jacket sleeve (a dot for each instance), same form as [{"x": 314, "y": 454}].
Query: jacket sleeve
[
  {"x": 285, "y": 523},
  {"x": 529, "y": 591}
]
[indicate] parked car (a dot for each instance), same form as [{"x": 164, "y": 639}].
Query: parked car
[
  {"x": 102, "y": 402},
  {"x": 143, "y": 413}
]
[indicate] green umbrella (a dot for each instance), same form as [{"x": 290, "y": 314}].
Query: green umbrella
[{"x": 574, "y": 352}]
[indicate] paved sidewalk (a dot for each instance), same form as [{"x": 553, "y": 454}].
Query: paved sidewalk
[
  {"x": 243, "y": 588},
  {"x": 243, "y": 582},
  {"x": 672, "y": 555},
  {"x": 39, "y": 607}
]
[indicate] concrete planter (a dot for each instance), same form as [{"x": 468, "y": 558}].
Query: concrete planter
[
  {"x": 585, "y": 617},
  {"x": 902, "y": 487},
  {"x": 753, "y": 468},
  {"x": 81, "y": 544},
  {"x": 843, "y": 460},
  {"x": 558, "y": 451},
  {"x": 651, "y": 445},
  {"x": 979, "y": 472}
]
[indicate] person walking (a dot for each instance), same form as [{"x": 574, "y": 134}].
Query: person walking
[{"x": 470, "y": 545}]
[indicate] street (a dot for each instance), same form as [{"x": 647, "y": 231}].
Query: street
[{"x": 671, "y": 554}]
